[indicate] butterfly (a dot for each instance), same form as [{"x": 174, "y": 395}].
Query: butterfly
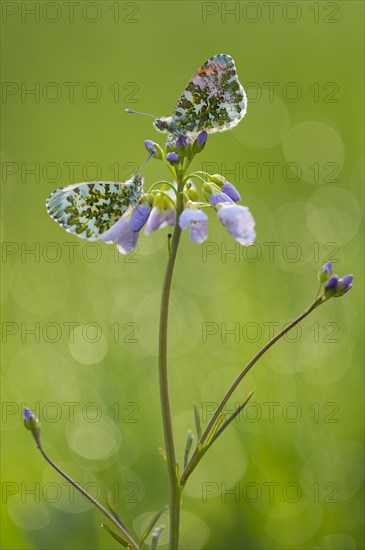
[
  {"x": 89, "y": 209},
  {"x": 214, "y": 101}
]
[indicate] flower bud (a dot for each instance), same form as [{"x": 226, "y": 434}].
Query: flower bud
[
  {"x": 331, "y": 285},
  {"x": 153, "y": 147},
  {"x": 31, "y": 422},
  {"x": 172, "y": 158},
  {"x": 209, "y": 188},
  {"x": 139, "y": 216},
  {"x": 200, "y": 142},
  {"x": 231, "y": 191},
  {"x": 182, "y": 145},
  {"x": 218, "y": 179},
  {"x": 325, "y": 272},
  {"x": 344, "y": 285},
  {"x": 192, "y": 193}
]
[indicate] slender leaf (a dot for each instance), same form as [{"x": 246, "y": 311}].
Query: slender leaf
[
  {"x": 227, "y": 422},
  {"x": 156, "y": 535},
  {"x": 152, "y": 523},
  {"x": 189, "y": 442},
  {"x": 215, "y": 428},
  {"x": 198, "y": 426},
  {"x": 114, "y": 535},
  {"x": 110, "y": 503}
]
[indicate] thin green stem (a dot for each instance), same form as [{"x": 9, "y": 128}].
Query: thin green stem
[
  {"x": 164, "y": 182},
  {"x": 195, "y": 456},
  {"x": 133, "y": 545},
  {"x": 174, "y": 483}
]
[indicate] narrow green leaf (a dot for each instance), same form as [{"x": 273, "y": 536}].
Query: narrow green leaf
[
  {"x": 214, "y": 430},
  {"x": 230, "y": 419},
  {"x": 114, "y": 535},
  {"x": 110, "y": 503},
  {"x": 189, "y": 442},
  {"x": 152, "y": 523},
  {"x": 198, "y": 426},
  {"x": 156, "y": 535}
]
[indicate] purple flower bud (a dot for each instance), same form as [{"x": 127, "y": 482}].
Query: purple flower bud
[
  {"x": 150, "y": 145},
  {"x": 31, "y": 422},
  {"x": 331, "y": 286},
  {"x": 28, "y": 414},
  {"x": 181, "y": 143},
  {"x": 231, "y": 191},
  {"x": 202, "y": 138},
  {"x": 344, "y": 285},
  {"x": 200, "y": 142},
  {"x": 218, "y": 198},
  {"x": 172, "y": 158},
  {"x": 325, "y": 272},
  {"x": 139, "y": 216},
  {"x": 153, "y": 147},
  {"x": 345, "y": 281},
  {"x": 349, "y": 287}
]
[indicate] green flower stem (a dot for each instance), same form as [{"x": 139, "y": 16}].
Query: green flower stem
[
  {"x": 195, "y": 457},
  {"x": 174, "y": 484},
  {"x": 162, "y": 182},
  {"x": 132, "y": 544}
]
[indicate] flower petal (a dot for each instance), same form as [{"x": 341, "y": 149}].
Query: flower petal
[
  {"x": 122, "y": 234},
  {"x": 239, "y": 222},
  {"x": 198, "y": 221},
  {"x": 190, "y": 215},
  {"x": 159, "y": 218}
]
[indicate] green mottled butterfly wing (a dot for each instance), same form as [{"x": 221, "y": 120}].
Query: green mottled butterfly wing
[
  {"x": 89, "y": 209},
  {"x": 214, "y": 100}
]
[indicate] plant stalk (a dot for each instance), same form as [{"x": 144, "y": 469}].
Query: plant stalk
[
  {"x": 174, "y": 483},
  {"x": 195, "y": 456},
  {"x": 132, "y": 544}
]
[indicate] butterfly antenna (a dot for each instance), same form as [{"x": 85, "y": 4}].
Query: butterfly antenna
[
  {"x": 145, "y": 162},
  {"x": 138, "y": 113}
]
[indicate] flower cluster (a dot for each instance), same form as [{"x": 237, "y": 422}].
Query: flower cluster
[
  {"x": 334, "y": 286},
  {"x": 196, "y": 192}
]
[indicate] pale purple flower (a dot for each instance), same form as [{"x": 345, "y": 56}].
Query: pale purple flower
[
  {"x": 139, "y": 216},
  {"x": 231, "y": 191},
  {"x": 239, "y": 222},
  {"x": 198, "y": 221},
  {"x": 122, "y": 234},
  {"x": 160, "y": 217}
]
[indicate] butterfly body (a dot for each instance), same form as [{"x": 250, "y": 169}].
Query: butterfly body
[
  {"x": 89, "y": 209},
  {"x": 214, "y": 100}
]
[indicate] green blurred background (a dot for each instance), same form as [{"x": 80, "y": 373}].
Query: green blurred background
[{"x": 289, "y": 473}]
